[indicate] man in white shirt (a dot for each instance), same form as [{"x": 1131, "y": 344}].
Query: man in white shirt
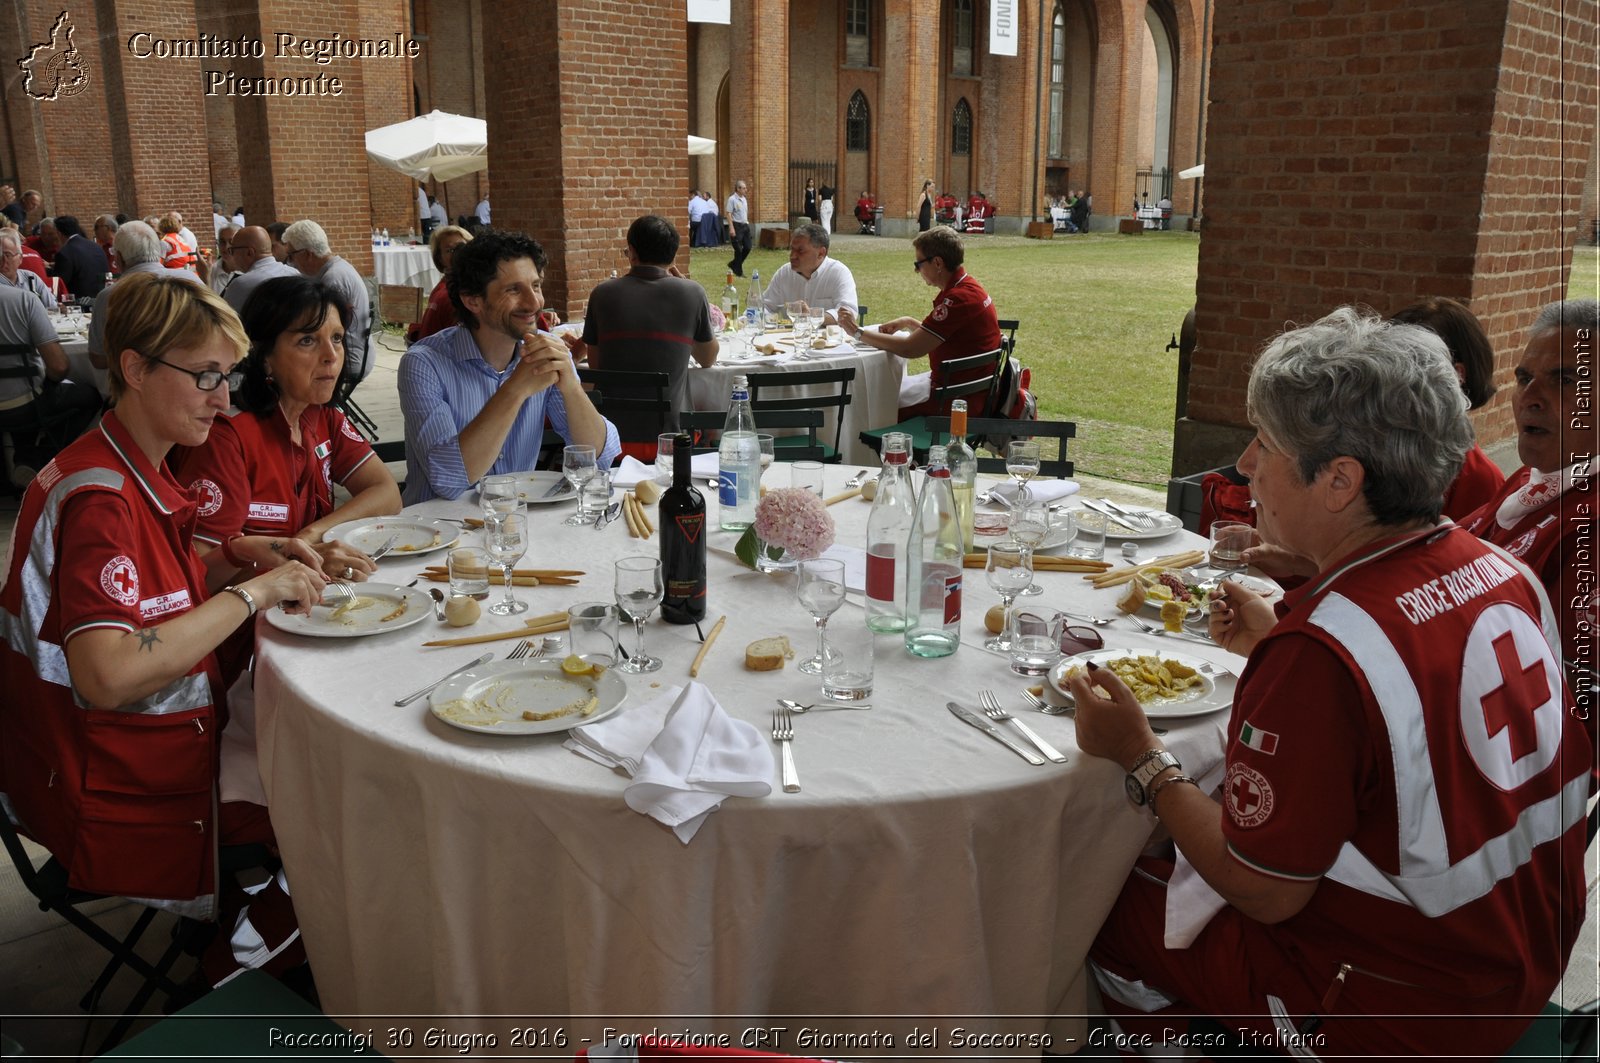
[
  {"x": 811, "y": 276},
  {"x": 738, "y": 215},
  {"x": 697, "y": 210},
  {"x": 483, "y": 209}
]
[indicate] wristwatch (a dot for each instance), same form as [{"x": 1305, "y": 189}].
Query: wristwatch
[{"x": 1145, "y": 769}]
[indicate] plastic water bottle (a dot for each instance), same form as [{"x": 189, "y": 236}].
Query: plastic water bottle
[
  {"x": 739, "y": 462},
  {"x": 888, "y": 532},
  {"x": 386, "y": 237},
  {"x": 933, "y": 566},
  {"x": 963, "y": 469},
  {"x": 755, "y": 308}
]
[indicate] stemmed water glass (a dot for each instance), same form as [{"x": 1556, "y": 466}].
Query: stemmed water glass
[
  {"x": 505, "y": 537},
  {"x": 821, "y": 591},
  {"x": 1030, "y": 523},
  {"x": 577, "y": 465},
  {"x": 1022, "y": 462},
  {"x": 638, "y": 587},
  {"x": 1010, "y": 572}
]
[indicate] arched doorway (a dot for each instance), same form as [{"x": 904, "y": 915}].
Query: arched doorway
[
  {"x": 724, "y": 130},
  {"x": 1070, "y": 58},
  {"x": 1157, "y": 99},
  {"x": 857, "y": 149}
]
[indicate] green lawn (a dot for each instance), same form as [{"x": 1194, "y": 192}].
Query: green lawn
[{"x": 1096, "y": 313}]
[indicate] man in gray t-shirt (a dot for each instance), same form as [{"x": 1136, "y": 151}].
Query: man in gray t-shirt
[
  {"x": 66, "y": 407},
  {"x": 651, "y": 320},
  {"x": 309, "y": 253}
]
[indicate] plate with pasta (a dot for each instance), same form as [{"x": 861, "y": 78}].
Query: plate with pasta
[
  {"x": 376, "y": 608},
  {"x": 1166, "y": 684},
  {"x": 526, "y": 697}
]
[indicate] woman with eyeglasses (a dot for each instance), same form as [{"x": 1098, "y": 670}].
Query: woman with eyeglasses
[
  {"x": 114, "y": 694},
  {"x": 270, "y": 468},
  {"x": 962, "y": 323}
]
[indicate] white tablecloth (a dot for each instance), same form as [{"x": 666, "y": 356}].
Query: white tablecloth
[
  {"x": 410, "y": 264},
  {"x": 874, "y": 393},
  {"x": 76, "y": 348},
  {"x": 922, "y": 871}
]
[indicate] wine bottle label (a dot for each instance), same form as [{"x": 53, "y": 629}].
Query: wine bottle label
[
  {"x": 880, "y": 577},
  {"x": 728, "y": 487},
  {"x": 952, "y": 598},
  {"x": 691, "y": 524}
]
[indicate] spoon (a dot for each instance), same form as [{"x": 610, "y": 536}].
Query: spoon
[
  {"x": 1097, "y": 621},
  {"x": 795, "y": 706},
  {"x": 438, "y": 602}
]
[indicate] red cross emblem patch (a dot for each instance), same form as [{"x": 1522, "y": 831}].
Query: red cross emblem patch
[
  {"x": 120, "y": 580},
  {"x": 1248, "y": 796},
  {"x": 208, "y": 496}
]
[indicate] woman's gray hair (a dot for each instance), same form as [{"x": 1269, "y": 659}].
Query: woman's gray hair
[
  {"x": 1385, "y": 394},
  {"x": 1568, "y": 314}
]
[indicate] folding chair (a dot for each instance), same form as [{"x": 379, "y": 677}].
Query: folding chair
[
  {"x": 638, "y": 403},
  {"x": 980, "y": 428},
  {"x": 988, "y": 362},
  {"x": 838, "y": 401},
  {"x": 703, "y": 423}
]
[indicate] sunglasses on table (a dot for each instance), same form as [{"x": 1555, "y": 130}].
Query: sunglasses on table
[{"x": 1075, "y": 638}]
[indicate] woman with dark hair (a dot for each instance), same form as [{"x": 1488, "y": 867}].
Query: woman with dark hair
[
  {"x": 1480, "y": 478},
  {"x": 269, "y": 468},
  {"x": 925, "y": 208},
  {"x": 811, "y": 209}
]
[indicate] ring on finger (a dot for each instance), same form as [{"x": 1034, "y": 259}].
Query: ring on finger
[{"x": 349, "y": 573}]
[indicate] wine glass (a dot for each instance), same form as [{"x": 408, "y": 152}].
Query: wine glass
[
  {"x": 505, "y": 537},
  {"x": 821, "y": 590},
  {"x": 1030, "y": 523},
  {"x": 638, "y": 586},
  {"x": 664, "y": 445},
  {"x": 1022, "y": 462},
  {"x": 1010, "y": 572},
  {"x": 577, "y": 465}
]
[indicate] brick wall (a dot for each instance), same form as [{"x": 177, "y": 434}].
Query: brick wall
[
  {"x": 449, "y": 78},
  {"x": 1376, "y": 151},
  {"x": 759, "y": 105},
  {"x": 386, "y": 99},
  {"x": 905, "y": 122},
  {"x": 578, "y": 148}
]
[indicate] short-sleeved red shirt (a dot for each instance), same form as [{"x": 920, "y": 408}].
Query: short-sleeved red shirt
[
  {"x": 250, "y": 478},
  {"x": 963, "y": 318}
]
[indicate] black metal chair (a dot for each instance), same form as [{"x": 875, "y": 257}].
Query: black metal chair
[
  {"x": 982, "y": 429},
  {"x": 703, "y": 424},
  {"x": 989, "y": 363},
  {"x": 34, "y": 420},
  {"x": 638, "y": 403},
  {"x": 838, "y": 401}
]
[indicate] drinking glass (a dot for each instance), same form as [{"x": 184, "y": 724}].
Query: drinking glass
[
  {"x": 1022, "y": 462},
  {"x": 817, "y": 320},
  {"x": 1229, "y": 540},
  {"x": 1088, "y": 535},
  {"x": 594, "y": 497},
  {"x": 592, "y": 632},
  {"x": 821, "y": 590},
  {"x": 1036, "y": 643},
  {"x": 847, "y": 673},
  {"x": 468, "y": 567},
  {"x": 499, "y": 494},
  {"x": 638, "y": 587},
  {"x": 577, "y": 465},
  {"x": 1030, "y": 523},
  {"x": 505, "y": 537},
  {"x": 1010, "y": 572},
  {"x": 796, "y": 309},
  {"x": 664, "y": 443},
  {"x": 764, "y": 441},
  {"x": 807, "y": 474}
]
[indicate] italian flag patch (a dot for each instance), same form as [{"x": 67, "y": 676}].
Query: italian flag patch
[
  {"x": 323, "y": 449},
  {"x": 1259, "y": 740}
]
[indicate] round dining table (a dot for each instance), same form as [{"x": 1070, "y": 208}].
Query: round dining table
[
  {"x": 408, "y": 264},
  {"x": 924, "y": 878}
]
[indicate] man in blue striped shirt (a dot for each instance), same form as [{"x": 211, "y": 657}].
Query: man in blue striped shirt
[{"x": 476, "y": 396}]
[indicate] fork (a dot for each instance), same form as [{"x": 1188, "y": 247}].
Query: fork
[
  {"x": 343, "y": 590},
  {"x": 1140, "y": 520},
  {"x": 524, "y": 650},
  {"x": 858, "y": 479},
  {"x": 1161, "y": 632},
  {"x": 1068, "y": 710},
  {"x": 783, "y": 734},
  {"x": 992, "y": 709}
]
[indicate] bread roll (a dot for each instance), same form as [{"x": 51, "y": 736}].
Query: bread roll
[
  {"x": 648, "y": 491},
  {"x": 767, "y": 655},
  {"x": 1132, "y": 598}
]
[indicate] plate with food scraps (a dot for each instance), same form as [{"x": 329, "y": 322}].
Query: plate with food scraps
[
  {"x": 1166, "y": 524},
  {"x": 531, "y": 487},
  {"x": 412, "y": 535},
  {"x": 527, "y": 697},
  {"x": 1167, "y": 685},
  {"x": 987, "y": 529},
  {"x": 376, "y": 608}
]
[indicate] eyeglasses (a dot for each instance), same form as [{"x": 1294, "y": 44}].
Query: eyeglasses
[
  {"x": 207, "y": 379},
  {"x": 1074, "y": 638},
  {"x": 916, "y": 267}
]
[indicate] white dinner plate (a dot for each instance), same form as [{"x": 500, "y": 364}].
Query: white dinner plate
[
  {"x": 415, "y": 535},
  {"x": 491, "y": 698},
  {"x": 1205, "y": 697},
  {"x": 1266, "y": 588},
  {"x": 375, "y": 618},
  {"x": 1060, "y": 533},
  {"x": 1166, "y": 524},
  {"x": 531, "y": 487}
]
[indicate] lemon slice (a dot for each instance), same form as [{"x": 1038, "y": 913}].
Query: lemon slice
[{"x": 575, "y": 665}]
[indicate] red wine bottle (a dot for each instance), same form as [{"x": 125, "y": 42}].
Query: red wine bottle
[{"x": 683, "y": 541}]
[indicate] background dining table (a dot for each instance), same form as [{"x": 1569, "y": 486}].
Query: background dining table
[
  {"x": 923, "y": 877},
  {"x": 874, "y": 393},
  {"x": 408, "y": 264}
]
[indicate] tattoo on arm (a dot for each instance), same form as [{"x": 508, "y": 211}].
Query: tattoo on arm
[
  {"x": 147, "y": 638},
  {"x": 277, "y": 547}
]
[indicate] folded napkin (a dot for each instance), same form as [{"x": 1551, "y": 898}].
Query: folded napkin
[
  {"x": 685, "y": 754},
  {"x": 1040, "y": 490},
  {"x": 915, "y": 388},
  {"x": 1191, "y": 902},
  {"x": 632, "y": 471},
  {"x": 855, "y": 565}
]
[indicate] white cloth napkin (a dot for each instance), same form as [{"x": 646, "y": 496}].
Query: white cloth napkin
[
  {"x": 1040, "y": 490},
  {"x": 685, "y": 754},
  {"x": 1191, "y": 902},
  {"x": 915, "y": 388},
  {"x": 632, "y": 471},
  {"x": 239, "y": 778}
]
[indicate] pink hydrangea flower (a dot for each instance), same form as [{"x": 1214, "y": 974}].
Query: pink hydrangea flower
[{"x": 795, "y": 519}]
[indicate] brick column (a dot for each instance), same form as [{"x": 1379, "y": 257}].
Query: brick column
[
  {"x": 386, "y": 98},
  {"x": 758, "y": 106},
  {"x": 1374, "y": 152},
  {"x": 1119, "y": 61},
  {"x": 906, "y": 124},
  {"x": 587, "y": 116}
]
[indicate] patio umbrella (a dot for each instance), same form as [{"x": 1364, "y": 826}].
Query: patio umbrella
[
  {"x": 1192, "y": 172},
  {"x": 437, "y": 145},
  {"x": 701, "y": 146}
]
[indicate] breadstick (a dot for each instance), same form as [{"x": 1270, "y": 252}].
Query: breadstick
[
  {"x": 1119, "y": 576},
  {"x": 644, "y": 518},
  {"x": 628, "y": 515},
  {"x": 716, "y": 629},
  {"x": 841, "y": 496},
  {"x": 516, "y": 633}
]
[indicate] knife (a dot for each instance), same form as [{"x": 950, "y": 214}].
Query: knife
[
  {"x": 982, "y": 723},
  {"x": 1089, "y": 503},
  {"x": 409, "y": 698},
  {"x": 555, "y": 488}
]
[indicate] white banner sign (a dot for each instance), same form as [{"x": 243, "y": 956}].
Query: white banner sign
[
  {"x": 713, "y": 11},
  {"x": 1002, "y": 27}
]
